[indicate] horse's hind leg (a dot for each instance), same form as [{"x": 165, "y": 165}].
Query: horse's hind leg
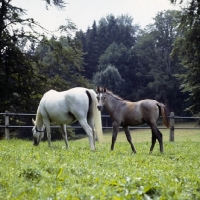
[
  {"x": 88, "y": 130},
  {"x": 91, "y": 124},
  {"x": 128, "y": 136},
  {"x": 64, "y": 134},
  {"x": 156, "y": 134},
  {"x": 153, "y": 141}
]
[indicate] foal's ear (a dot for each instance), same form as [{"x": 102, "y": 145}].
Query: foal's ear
[
  {"x": 33, "y": 121},
  {"x": 104, "y": 89},
  {"x": 98, "y": 89}
]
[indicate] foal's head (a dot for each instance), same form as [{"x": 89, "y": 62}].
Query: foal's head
[{"x": 101, "y": 97}]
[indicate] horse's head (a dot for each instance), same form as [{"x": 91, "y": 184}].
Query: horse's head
[
  {"x": 101, "y": 97},
  {"x": 37, "y": 134}
]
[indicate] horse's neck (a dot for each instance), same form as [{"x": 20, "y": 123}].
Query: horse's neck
[
  {"x": 111, "y": 104},
  {"x": 39, "y": 120}
]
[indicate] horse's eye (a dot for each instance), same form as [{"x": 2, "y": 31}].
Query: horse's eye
[{"x": 98, "y": 98}]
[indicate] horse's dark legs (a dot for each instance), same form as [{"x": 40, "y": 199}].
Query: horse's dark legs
[
  {"x": 160, "y": 140},
  {"x": 128, "y": 136},
  {"x": 114, "y": 133},
  {"x": 153, "y": 141},
  {"x": 156, "y": 134}
]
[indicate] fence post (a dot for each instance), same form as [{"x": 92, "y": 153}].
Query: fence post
[
  {"x": 7, "y": 135},
  {"x": 171, "y": 134}
]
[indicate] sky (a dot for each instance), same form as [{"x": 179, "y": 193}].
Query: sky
[{"x": 83, "y": 12}]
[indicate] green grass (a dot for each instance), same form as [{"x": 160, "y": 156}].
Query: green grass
[
  {"x": 42, "y": 172},
  {"x": 144, "y": 135}
]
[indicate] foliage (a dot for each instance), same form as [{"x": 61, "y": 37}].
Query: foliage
[
  {"x": 187, "y": 47},
  {"x": 156, "y": 69},
  {"x": 59, "y": 3},
  {"x": 96, "y": 40},
  {"x": 110, "y": 78},
  {"x": 124, "y": 61},
  {"x": 77, "y": 173},
  {"x": 62, "y": 63},
  {"x": 31, "y": 64},
  {"x": 142, "y": 58},
  {"x": 16, "y": 71}
]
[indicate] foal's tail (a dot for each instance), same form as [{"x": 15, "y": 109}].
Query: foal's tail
[
  {"x": 97, "y": 116},
  {"x": 163, "y": 112}
]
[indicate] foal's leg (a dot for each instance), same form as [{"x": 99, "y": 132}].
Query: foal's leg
[
  {"x": 156, "y": 134},
  {"x": 128, "y": 136},
  {"x": 88, "y": 130},
  {"x": 114, "y": 133},
  {"x": 153, "y": 141},
  {"x": 64, "y": 134}
]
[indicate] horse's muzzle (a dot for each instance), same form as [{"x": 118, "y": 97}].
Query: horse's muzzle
[
  {"x": 99, "y": 108},
  {"x": 35, "y": 142}
]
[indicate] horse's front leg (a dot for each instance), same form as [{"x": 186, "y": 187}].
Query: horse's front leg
[
  {"x": 64, "y": 134},
  {"x": 48, "y": 135},
  {"x": 128, "y": 136},
  {"x": 114, "y": 133}
]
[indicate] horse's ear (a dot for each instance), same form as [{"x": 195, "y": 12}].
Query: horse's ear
[
  {"x": 98, "y": 89},
  {"x": 33, "y": 121},
  {"x": 104, "y": 89}
]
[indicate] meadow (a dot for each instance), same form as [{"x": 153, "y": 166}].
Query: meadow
[{"x": 42, "y": 172}]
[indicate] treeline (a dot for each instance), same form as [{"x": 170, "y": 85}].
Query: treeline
[{"x": 135, "y": 63}]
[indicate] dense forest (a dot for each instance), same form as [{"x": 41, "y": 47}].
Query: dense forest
[{"x": 161, "y": 61}]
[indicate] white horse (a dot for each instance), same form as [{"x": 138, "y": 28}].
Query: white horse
[{"x": 64, "y": 108}]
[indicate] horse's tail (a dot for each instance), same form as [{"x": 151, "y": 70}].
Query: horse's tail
[
  {"x": 163, "y": 112},
  {"x": 97, "y": 116}
]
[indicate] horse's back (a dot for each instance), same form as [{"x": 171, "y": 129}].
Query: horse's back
[
  {"x": 150, "y": 110},
  {"x": 63, "y": 107}
]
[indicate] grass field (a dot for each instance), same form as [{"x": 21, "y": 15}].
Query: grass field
[{"x": 42, "y": 172}]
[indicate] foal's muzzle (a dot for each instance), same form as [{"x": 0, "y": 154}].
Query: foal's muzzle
[{"x": 99, "y": 107}]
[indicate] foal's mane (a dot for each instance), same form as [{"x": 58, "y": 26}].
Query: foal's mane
[{"x": 114, "y": 95}]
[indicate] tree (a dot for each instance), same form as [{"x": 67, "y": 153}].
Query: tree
[
  {"x": 98, "y": 38},
  {"x": 59, "y": 3},
  {"x": 62, "y": 63},
  {"x": 19, "y": 71},
  {"x": 156, "y": 70},
  {"x": 187, "y": 47},
  {"x": 124, "y": 60},
  {"x": 17, "y": 64},
  {"x": 110, "y": 78}
]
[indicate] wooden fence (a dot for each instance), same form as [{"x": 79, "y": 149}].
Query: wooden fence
[{"x": 172, "y": 118}]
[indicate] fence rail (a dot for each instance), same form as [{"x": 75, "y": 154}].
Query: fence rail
[{"x": 172, "y": 118}]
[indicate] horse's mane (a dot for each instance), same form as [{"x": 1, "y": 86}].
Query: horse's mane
[
  {"x": 38, "y": 115},
  {"x": 114, "y": 95}
]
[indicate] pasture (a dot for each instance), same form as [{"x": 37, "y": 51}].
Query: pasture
[{"x": 29, "y": 172}]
